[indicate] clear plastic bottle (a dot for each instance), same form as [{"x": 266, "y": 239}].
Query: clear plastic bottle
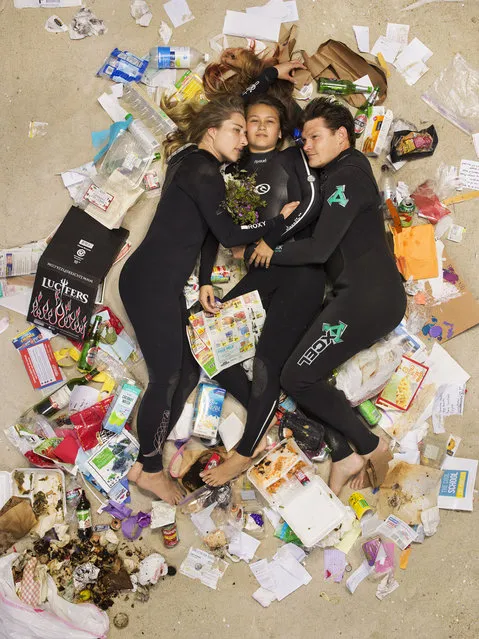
[
  {"x": 176, "y": 57},
  {"x": 387, "y": 188}
]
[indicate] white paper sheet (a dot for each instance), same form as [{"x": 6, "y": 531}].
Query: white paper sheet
[
  {"x": 411, "y": 61},
  {"x": 276, "y": 9},
  {"x": 231, "y": 430},
  {"x": 358, "y": 576},
  {"x": 162, "y": 514},
  {"x": 362, "y": 38},
  {"x": 203, "y": 521},
  {"x": 475, "y": 140},
  {"x": 469, "y": 174},
  {"x": 262, "y": 572},
  {"x": 449, "y": 400},
  {"x": 248, "y": 25},
  {"x": 82, "y": 397},
  {"x": 389, "y": 48},
  {"x": 243, "y": 546},
  {"x": 398, "y": 33},
  {"x": 18, "y": 302},
  {"x": 178, "y": 12},
  {"x": 456, "y": 232}
]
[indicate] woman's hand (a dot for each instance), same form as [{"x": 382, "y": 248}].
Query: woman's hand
[
  {"x": 207, "y": 299},
  {"x": 238, "y": 252},
  {"x": 288, "y": 209},
  {"x": 286, "y": 70},
  {"x": 262, "y": 255}
]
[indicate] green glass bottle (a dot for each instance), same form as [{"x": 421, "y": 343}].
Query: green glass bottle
[
  {"x": 340, "y": 87},
  {"x": 90, "y": 347},
  {"x": 60, "y": 399},
  {"x": 364, "y": 112}
]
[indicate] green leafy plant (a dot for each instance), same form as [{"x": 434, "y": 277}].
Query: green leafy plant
[{"x": 242, "y": 201}]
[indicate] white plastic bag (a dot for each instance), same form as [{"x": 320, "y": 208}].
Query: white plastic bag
[{"x": 56, "y": 619}]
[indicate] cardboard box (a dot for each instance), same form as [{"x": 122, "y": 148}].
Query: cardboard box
[
  {"x": 377, "y": 128},
  {"x": 69, "y": 272}
]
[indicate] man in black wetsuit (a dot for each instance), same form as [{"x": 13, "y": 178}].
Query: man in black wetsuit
[{"x": 367, "y": 300}]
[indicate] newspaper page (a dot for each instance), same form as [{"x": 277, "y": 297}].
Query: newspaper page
[
  {"x": 229, "y": 337},
  {"x": 22, "y": 260}
]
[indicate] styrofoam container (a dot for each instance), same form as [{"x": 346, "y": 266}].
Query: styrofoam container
[
  {"x": 311, "y": 509},
  {"x": 8, "y": 487}
]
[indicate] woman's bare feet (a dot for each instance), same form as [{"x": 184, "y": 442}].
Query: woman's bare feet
[
  {"x": 343, "y": 470},
  {"x": 228, "y": 470},
  {"x": 135, "y": 472},
  {"x": 161, "y": 485}
]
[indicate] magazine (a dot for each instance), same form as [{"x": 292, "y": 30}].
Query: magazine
[
  {"x": 401, "y": 389},
  {"x": 229, "y": 337}
]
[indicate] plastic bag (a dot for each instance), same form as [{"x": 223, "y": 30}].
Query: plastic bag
[
  {"x": 364, "y": 375},
  {"x": 455, "y": 95},
  {"x": 427, "y": 202},
  {"x": 56, "y": 619},
  {"x": 308, "y": 434},
  {"x": 411, "y": 145}
]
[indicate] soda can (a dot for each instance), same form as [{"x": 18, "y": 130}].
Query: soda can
[
  {"x": 370, "y": 412},
  {"x": 213, "y": 461},
  {"x": 170, "y": 535},
  {"x": 407, "y": 206},
  {"x": 358, "y": 503}
]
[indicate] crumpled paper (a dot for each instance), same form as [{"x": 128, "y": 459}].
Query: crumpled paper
[
  {"x": 151, "y": 569},
  {"x": 84, "y": 575},
  {"x": 140, "y": 10},
  {"x": 85, "y": 23}
]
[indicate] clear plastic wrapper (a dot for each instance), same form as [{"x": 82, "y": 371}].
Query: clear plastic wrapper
[
  {"x": 455, "y": 95},
  {"x": 427, "y": 202}
]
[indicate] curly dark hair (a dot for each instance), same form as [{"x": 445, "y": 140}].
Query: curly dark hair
[{"x": 334, "y": 114}]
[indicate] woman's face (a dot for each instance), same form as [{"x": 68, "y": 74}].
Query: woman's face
[
  {"x": 229, "y": 139},
  {"x": 263, "y": 128}
]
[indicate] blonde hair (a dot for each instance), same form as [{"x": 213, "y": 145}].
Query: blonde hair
[{"x": 194, "y": 118}]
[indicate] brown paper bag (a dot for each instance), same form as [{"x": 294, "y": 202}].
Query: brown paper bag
[
  {"x": 16, "y": 520},
  {"x": 285, "y": 51},
  {"x": 335, "y": 60}
]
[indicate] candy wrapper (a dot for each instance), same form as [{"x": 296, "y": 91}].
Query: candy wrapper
[{"x": 408, "y": 145}]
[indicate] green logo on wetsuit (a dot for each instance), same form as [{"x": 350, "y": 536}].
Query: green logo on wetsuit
[{"x": 338, "y": 197}]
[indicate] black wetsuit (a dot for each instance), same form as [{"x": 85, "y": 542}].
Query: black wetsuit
[
  {"x": 367, "y": 300},
  {"x": 292, "y": 296},
  {"x": 152, "y": 281}
]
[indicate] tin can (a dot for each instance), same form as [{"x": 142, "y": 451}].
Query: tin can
[
  {"x": 370, "y": 412},
  {"x": 170, "y": 535},
  {"x": 358, "y": 503},
  {"x": 407, "y": 205}
]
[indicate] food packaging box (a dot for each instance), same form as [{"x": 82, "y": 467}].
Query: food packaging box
[
  {"x": 69, "y": 272},
  {"x": 377, "y": 128},
  {"x": 32, "y": 485},
  {"x": 285, "y": 478}
]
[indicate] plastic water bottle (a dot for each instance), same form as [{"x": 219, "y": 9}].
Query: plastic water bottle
[
  {"x": 387, "y": 188},
  {"x": 176, "y": 57}
]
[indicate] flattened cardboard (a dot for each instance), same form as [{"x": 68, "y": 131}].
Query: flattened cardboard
[{"x": 454, "y": 316}]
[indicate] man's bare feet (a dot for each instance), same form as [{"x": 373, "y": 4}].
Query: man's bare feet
[
  {"x": 343, "y": 470},
  {"x": 161, "y": 485},
  {"x": 360, "y": 481},
  {"x": 135, "y": 472},
  {"x": 226, "y": 471}
]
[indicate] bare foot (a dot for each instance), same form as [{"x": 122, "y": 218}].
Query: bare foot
[
  {"x": 161, "y": 485},
  {"x": 229, "y": 469},
  {"x": 261, "y": 446},
  {"x": 382, "y": 449},
  {"x": 343, "y": 470},
  {"x": 360, "y": 481},
  {"x": 135, "y": 472}
]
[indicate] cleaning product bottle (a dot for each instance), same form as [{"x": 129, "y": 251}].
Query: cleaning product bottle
[{"x": 176, "y": 57}]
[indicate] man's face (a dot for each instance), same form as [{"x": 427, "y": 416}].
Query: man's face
[
  {"x": 229, "y": 139},
  {"x": 322, "y": 145},
  {"x": 262, "y": 128}
]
